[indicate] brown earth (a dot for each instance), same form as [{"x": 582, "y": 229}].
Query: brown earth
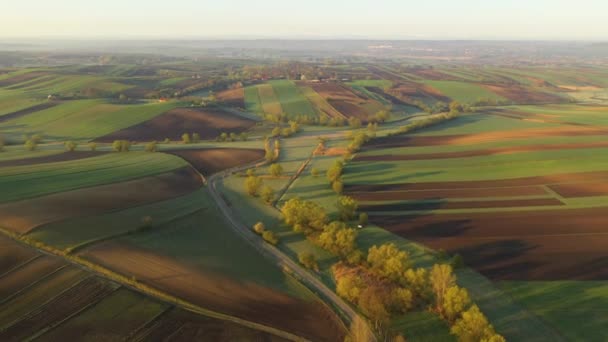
[
  {"x": 525, "y": 245},
  {"x": 521, "y": 95},
  {"x": 349, "y": 109},
  {"x": 208, "y": 123},
  {"x": 53, "y": 158},
  {"x": 417, "y": 91},
  {"x": 212, "y": 160},
  {"x": 342, "y": 99},
  {"x": 218, "y": 292},
  {"x": 431, "y": 74},
  {"x": 26, "y": 111},
  {"x": 23, "y": 216},
  {"x": 580, "y": 177},
  {"x": 396, "y": 195},
  {"x": 180, "y": 325},
  {"x": 21, "y": 78},
  {"x": 232, "y": 97},
  {"x": 13, "y": 254},
  {"x": 27, "y": 274},
  {"x": 460, "y": 205},
  {"x": 85, "y": 293},
  {"x": 478, "y": 153},
  {"x": 586, "y": 189},
  {"x": 469, "y": 139}
]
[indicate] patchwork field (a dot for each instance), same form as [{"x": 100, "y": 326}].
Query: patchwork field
[{"x": 347, "y": 102}]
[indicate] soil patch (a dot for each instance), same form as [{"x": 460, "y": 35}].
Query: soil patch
[
  {"x": 210, "y": 161},
  {"x": 478, "y": 153},
  {"x": 13, "y": 254},
  {"x": 208, "y": 123},
  {"x": 379, "y": 195},
  {"x": 460, "y": 205},
  {"x": 220, "y": 293},
  {"x": 18, "y": 279},
  {"x": 53, "y": 158},
  {"x": 342, "y": 99},
  {"x": 26, "y": 111},
  {"x": 568, "y": 244},
  {"x": 23, "y": 216},
  {"x": 523, "y": 95},
  {"x": 586, "y": 189},
  {"x": 232, "y": 97}
]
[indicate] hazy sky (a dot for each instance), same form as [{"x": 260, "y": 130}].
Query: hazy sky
[{"x": 419, "y": 19}]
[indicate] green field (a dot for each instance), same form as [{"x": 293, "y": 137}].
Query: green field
[
  {"x": 292, "y": 100},
  {"x": 463, "y": 92}
]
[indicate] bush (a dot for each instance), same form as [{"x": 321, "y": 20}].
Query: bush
[
  {"x": 30, "y": 145},
  {"x": 363, "y": 219},
  {"x": 121, "y": 145},
  {"x": 151, "y": 146},
  {"x": 276, "y": 170},
  {"x": 309, "y": 261},
  {"x": 253, "y": 185},
  {"x": 270, "y": 237},
  {"x": 347, "y": 207},
  {"x": 70, "y": 146},
  {"x": 267, "y": 194},
  {"x": 338, "y": 186},
  {"x": 93, "y": 146},
  {"x": 259, "y": 228},
  {"x": 196, "y": 138},
  {"x": 186, "y": 138},
  {"x": 314, "y": 172}
]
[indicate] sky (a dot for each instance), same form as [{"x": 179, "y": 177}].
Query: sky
[{"x": 377, "y": 19}]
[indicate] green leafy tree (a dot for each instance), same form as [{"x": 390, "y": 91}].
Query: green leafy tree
[
  {"x": 276, "y": 170},
  {"x": 70, "y": 146},
  {"x": 474, "y": 327},
  {"x": 347, "y": 207},
  {"x": 388, "y": 261},
  {"x": 337, "y": 186},
  {"x": 349, "y": 287},
  {"x": 186, "y": 138},
  {"x": 304, "y": 216},
  {"x": 30, "y": 145},
  {"x": 259, "y": 228},
  {"x": 267, "y": 194},
  {"x": 151, "y": 146},
  {"x": 338, "y": 239},
  {"x": 308, "y": 260},
  {"x": 373, "y": 305},
  {"x": 270, "y": 237},
  {"x": 196, "y": 138},
  {"x": 455, "y": 301},
  {"x": 93, "y": 146},
  {"x": 402, "y": 300},
  {"x": 224, "y": 136},
  {"x": 244, "y": 136},
  {"x": 253, "y": 185},
  {"x": 233, "y": 136},
  {"x": 441, "y": 278},
  {"x": 276, "y": 131}
]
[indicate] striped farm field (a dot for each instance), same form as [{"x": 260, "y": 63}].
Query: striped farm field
[
  {"x": 292, "y": 100},
  {"x": 463, "y": 92},
  {"x": 269, "y": 100}
]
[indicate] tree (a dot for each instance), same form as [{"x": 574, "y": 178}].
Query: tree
[
  {"x": 259, "y": 228},
  {"x": 417, "y": 281},
  {"x": 294, "y": 126},
  {"x": 243, "y": 136},
  {"x": 276, "y": 131},
  {"x": 286, "y": 132},
  {"x": 349, "y": 287},
  {"x": 402, "y": 300},
  {"x": 223, "y": 136},
  {"x": 399, "y": 338},
  {"x": 196, "y": 138},
  {"x": 93, "y": 146},
  {"x": 151, "y": 146},
  {"x": 253, "y": 185},
  {"x": 1, "y": 144},
  {"x": 270, "y": 237},
  {"x": 267, "y": 194},
  {"x": 121, "y": 145},
  {"x": 314, "y": 172},
  {"x": 335, "y": 171},
  {"x": 381, "y": 116},
  {"x": 455, "y": 107},
  {"x": 30, "y": 145},
  {"x": 308, "y": 260},
  {"x": 441, "y": 279},
  {"x": 276, "y": 170},
  {"x": 233, "y": 136},
  {"x": 359, "y": 331},
  {"x": 373, "y": 305},
  {"x": 363, "y": 219},
  {"x": 455, "y": 301},
  {"x": 388, "y": 261},
  {"x": 474, "y": 327},
  {"x": 347, "y": 207},
  {"x": 337, "y": 186},
  {"x": 122, "y": 98},
  {"x": 338, "y": 239},
  {"x": 305, "y": 216},
  {"x": 354, "y": 122},
  {"x": 186, "y": 138},
  {"x": 250, "y": 172},
  {"x": 70, "y": 146}
]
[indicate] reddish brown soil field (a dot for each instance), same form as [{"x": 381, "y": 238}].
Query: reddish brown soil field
[
  {"x": 23, "y": 216},
  {"x": 466, "y": 139},
  {"x": 220, "y": 293},
  {"x": 53, "y": 158},
  {"x": 587, "y": 189},
  {"x": 460, "y": 205},
  {"x": 525, "y": 245},
  {"x": 478, "y": 153},
  {"x": 21, "y": 78},
  {"x": 416, "y": 91},
  {"x": 342, "y": 99},
  {"x": 85, "y": 293},
  {"x": 210, "y": 161},
  {"x": 431, "y": 74},
  {"x": 580, "y": 177},
  {"x": 523, "y": 95},
  {"x": 180, "y": 325},
  {"x": 208, "y": 123},
  {"x": 19, "y": 278},
  {"x": 13, "y": 254},
  {"x": 26, "y": 111},
  {"x": 447, "y": 193},
  {"x": 232, "y": 97}
]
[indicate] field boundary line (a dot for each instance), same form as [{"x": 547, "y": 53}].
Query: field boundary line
[
  {"x": 16, "y": 267},
  {"x": 32, "y": 284},
  {"x": 149, "y": 323}
]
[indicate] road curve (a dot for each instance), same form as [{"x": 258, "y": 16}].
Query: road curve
[{"x": 273, "y": 253}]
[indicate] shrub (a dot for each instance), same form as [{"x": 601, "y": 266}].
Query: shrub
[
  {"x": 30, "y": 145},
  {"x": 337, "y": 186},
  {"x": 151, "y": 146},
  {"x": 70, "y": 146},
  {"x": 93, "y": 146},
  {"x": 253, "y": 185},
  {"x": 186, "y": 138},
  {"x": 267, "y": 194},
  {"x": 259, "y": 228},
  {"x": 121, "y": 145},
  {"x": 276, "y": 170},
  {"x": 270, "y": 237},
  {"x": 363, "y": 219},
  {"x": 196, "y": 138},
  {"x": 314, "y": 172},
  {"x": 308, "y": 260}
]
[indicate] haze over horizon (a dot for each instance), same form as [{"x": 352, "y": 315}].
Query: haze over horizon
[{"x": 361, "y": 19}]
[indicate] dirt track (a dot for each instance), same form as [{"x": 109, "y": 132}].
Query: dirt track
[
  {"x": 208, "y": 123},
  {"x": 526, "y": 245},
  {"x": 23, "y": 216}
]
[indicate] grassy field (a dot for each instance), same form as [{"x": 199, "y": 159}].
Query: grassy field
[
  {"x": 292, "y": 100},
  {"x": 463, "y": 92},
  {"x": 269, "y": 100},
  {"x": 22, "y": 182}
]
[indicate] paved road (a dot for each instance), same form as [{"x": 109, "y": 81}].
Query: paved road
[{"x": 273, "y": 253}]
